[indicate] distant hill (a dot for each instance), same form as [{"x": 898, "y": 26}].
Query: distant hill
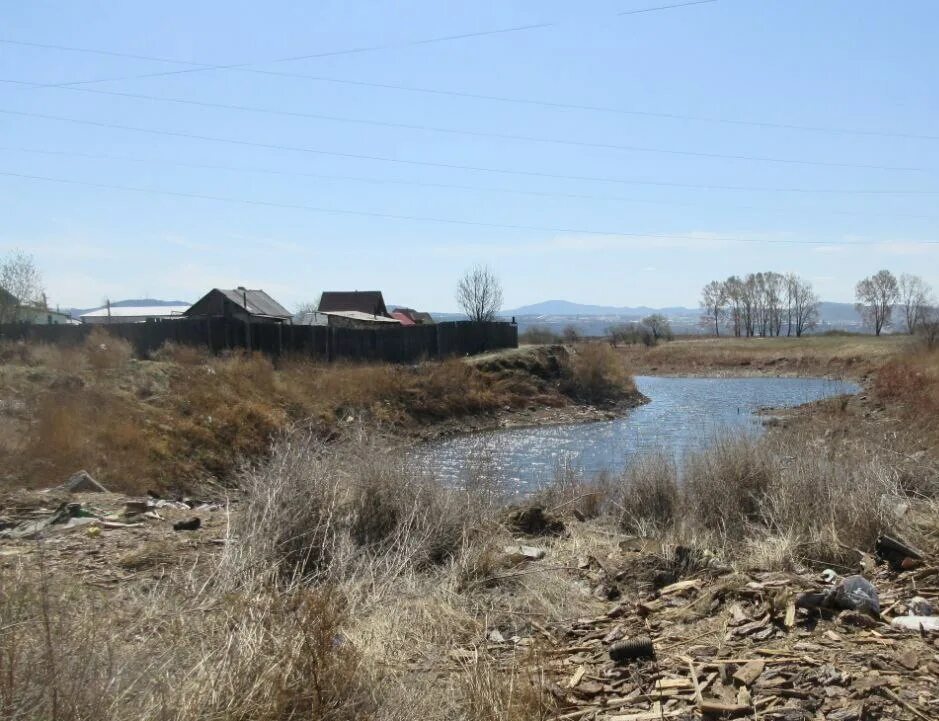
[
  {"x": 566, "y": 307},
  {"x": 595, "y": 319},
  {"x": 132, "y": 302}
]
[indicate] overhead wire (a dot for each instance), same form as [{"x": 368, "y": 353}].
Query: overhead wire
[
  {"x": 443, "y": 186},
  {"x": 429, "y": 163},
  {"x": 449, "y": 221},
  {"x": 513, "y": 137}
]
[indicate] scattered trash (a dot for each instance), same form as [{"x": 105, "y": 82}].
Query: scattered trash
[
  {"x": 854, "y": 593},
  {"x": 632, "y": 650},
  {"x": 898, "y": 555},
  {"x": 524, "y": 553},
  {"x": 83, "y": 482},
  {"x": 916, "y": 623},
  {"x": 193, "y": 524},
  {"x": 534, "y": 521}
]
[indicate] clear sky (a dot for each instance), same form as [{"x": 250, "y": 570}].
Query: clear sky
[{"x": 828, "y": 67}]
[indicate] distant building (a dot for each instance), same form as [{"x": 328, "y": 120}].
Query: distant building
[
  {"x": 402, "y": 318},
  {"x": 254, "y": 306},
  {"x": 43, "y": 316},
  {"x": 369, "y": 302},
  {"x": 132, "y": 314},
  {"x": 416, "y": 317}
]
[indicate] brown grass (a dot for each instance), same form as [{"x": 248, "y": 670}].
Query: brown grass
[{"x": 850, "y": 355}]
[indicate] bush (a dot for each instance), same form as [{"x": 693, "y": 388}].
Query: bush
[
  {"x": 650, "y": 495},
  {"x": 598, "y": 375},
  {"x": 725, "y": 487},
  {"x": 182, "y": 354},
  {"x": 323, "y": 512},
  {"x": 105, "y": 351}
]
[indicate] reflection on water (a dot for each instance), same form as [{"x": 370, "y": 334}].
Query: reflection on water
[{"x": 684, "y": 414}]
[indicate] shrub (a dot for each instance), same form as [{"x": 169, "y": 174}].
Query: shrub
[
  {"x": 598, "y": 374},
  {"x": 650, "y": 495},
  {"x": 324, "y": 512},
  {"x": 725, "y": 486},
  {"x": 105, "y": 351},
  {"x": 182, "y": 354}
]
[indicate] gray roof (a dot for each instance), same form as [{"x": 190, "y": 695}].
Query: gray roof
[
  {"x": 256, "y": 302},
  {"x": 364, "y": 301}
]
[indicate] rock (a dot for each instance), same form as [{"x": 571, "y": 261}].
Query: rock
[
  {"x": 496, "y": 636},
  {"x": 193, "y": 524},
  {"x": 749, "y": 672},
  {"x": 535, "y": 521},
  {"x": 919, "y": 606},
  {"x": 83, "y": 482}
]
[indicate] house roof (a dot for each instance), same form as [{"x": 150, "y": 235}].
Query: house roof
[
  {"x": 402, "y": 317},
  {"x": 359, "y": 315},
  {"x": 363, "y": 301},
  {"x": 423, "y": 318},
  {"x": 256, "y": 302},
  {"x": 129, "y": 311}
]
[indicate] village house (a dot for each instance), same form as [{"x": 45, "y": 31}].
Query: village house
[
  {"x": 355, "y": 309},
  {"x": 252, "y": 306}
]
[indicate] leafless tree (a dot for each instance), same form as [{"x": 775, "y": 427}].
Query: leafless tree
[
  {"x": 479, "y": 293},
  {"x": 735, "y": 291},
  {"x": 714, "y": 304},
  {"x": 914, "y": 300},
  {"x": 876, "y": 296},
  {"x": 658, "y": 326},
  {"x": 570, "y": 334},
  {"x": 20, "y": 285},
  {"x": 802, "y": 305},
  {"x": 928, "y": 327}
]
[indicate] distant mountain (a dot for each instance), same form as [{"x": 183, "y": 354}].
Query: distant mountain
[
  {"x": 595, "y": 319},
  {"x": 132, "y": 302},
  {"x": 566, "y": 307}
]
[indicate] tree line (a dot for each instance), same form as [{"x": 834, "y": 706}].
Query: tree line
[
  {"x": 767, "y": 304},
  {"x": 760, "y": 304},
  {"x": 880, "y": 295}
]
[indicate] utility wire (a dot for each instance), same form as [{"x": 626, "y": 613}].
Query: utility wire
[
  {"x": 202, "y": 67},
  {"x": 443, "y": 186},
  {"x": 512, "y": 137},
  {"x": 435, "y": 164},
  {"x": 245, "y": 68},
  {"x": 449, "y": 221}
]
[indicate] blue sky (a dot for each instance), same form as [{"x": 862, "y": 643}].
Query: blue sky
[{"x": 839, "y": 65}]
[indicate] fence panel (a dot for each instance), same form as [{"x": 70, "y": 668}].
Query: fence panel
[{"x": 398, "y": 344}]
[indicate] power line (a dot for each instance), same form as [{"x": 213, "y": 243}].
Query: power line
[
  {"x": 449, "y": 221},
  {"x": 245, "y": 68},
  {"x": 201, "y": 67},
  {"x": 434, "y": 164},
  {"x": 443, "y": 186},
  {"x": 478, "y": 133}
]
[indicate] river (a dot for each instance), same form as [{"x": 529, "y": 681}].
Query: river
[{"x": 683, "y": 415}]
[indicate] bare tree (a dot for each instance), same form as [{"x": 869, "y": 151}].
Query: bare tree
[
  {"x": 802, "y": 305},
  {"x": 928, "y": 327},
  {"x": 734, "y": 290},
  {"x": 658, "y": 326},
  {"x": 714, "y": 304},
  {"x": 20, "y": 285},
  {"x": 914, "y": 300},
  {"x": 479, "y": 293},
  {"x": 570, "y": 334},
  {"x": 876, "y": 296}
]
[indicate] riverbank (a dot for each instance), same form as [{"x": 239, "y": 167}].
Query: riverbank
[
  {"x": 849, "y": 356},
  {"x": 183, "y": 420},
  {"x": 340, "y": 582}
]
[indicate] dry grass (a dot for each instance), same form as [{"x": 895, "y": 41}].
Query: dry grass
[
  {"x": 911, "y": 385},
  {"x": 853, "y": 355},
  {"x": 184, "y": 418}
]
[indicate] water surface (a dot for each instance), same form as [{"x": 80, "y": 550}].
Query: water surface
[{"x": 683, "y": 415}]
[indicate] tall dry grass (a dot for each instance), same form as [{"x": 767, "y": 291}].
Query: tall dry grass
[{"x": 598, "y": 375}]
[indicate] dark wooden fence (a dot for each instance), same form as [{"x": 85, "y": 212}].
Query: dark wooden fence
[{"x": 399, "y": 344}]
